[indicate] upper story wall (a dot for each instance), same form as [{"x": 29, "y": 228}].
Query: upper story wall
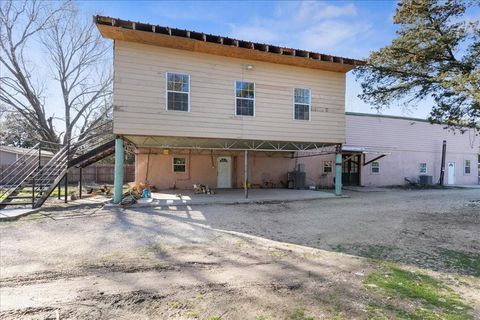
[
  {"x": 396, "y": 134},
  {"x": 140, "y": 97}
]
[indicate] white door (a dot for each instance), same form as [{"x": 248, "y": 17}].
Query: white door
[
  {"x": 451, "y": 172},
  {"x": 224, "y": 172}
]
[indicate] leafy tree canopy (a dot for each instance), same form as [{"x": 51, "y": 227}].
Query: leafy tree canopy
[{"x": 436, "y": 54}]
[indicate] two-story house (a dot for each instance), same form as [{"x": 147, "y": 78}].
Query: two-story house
[{"x": 228, "y": 113}]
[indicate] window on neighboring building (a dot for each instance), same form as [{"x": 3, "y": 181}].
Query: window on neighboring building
[
  {"x": 423, "y": 167},
  {"x": 178, "y": 91},
  {"x": 327, "y": 166},
  {"x": 467, "y": 167},
  {"x": 179, "y": 164},
  {"x": 244, "y": 98},
  {"x": 301, "y": 104},
  {"x": 375, "y": 167}
]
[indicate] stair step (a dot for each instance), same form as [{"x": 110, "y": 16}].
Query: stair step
[
  {"x": 16, "y": 203},
  {"x": 19, "y": 197}
]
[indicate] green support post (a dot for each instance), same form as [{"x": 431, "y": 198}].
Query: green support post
[
  {"x": 118, "y": 182},
  {"x": 338, "y": 174}
]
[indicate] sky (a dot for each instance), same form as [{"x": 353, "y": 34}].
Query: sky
[{"x": 346, "y": 28}]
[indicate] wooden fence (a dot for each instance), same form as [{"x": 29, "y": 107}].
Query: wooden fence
[{"x": 96, "y": 173}]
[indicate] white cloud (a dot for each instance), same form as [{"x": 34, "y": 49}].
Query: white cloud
[
  {"x": 318, "y": 26},
  {"x": 315, "y": 11}
]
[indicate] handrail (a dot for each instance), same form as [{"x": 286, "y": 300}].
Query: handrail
[
  {"x": 17, "y": 177},
  {"x": 53, "y": 164},
  {"x": 44, "y": 178},
  {"x": 13, "y": 185},
  {"x": 16, "y": 173},
  {"x": 21, "y": 158}
]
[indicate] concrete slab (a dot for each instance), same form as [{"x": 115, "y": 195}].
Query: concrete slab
[
  {"x": 466, "y": 186},
  {"x": 13, "y": 214},
  {"x": 232, "y": 196},
  {"x": 365, "y": 189}
]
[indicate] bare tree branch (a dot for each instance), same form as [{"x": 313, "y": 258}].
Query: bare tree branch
[{"x": 77, "y": 56}]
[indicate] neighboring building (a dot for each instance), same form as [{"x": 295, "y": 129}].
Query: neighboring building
[
  {"x": 9, "y": 155},
  {"x": 193, "y": 103},
  {"x": 409, "y": 147}
]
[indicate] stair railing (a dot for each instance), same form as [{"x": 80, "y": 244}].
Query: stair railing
[
  {"x": 18, "y": 171},
  {"x": 51, "y": 169},
  {"x": 50, "y": 174}
]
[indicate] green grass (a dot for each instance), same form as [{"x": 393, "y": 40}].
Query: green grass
[
  {"x": 465, "y": 262},
  {"x": 71, "y": 189},
  {"x": 420, "y": 296},
  {"x": 299, "y": 314},
  {"x": 377, "y": 252}
]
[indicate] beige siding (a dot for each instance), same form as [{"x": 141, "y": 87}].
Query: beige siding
[{"x": 139, "y": 97}]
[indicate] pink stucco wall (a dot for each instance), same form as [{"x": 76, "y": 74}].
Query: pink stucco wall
[
  {"x": 201, "y": 168},
  {"x": 408, "y": 142}
]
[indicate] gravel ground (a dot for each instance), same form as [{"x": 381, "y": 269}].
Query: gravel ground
[{"x": 235, "y": 261}]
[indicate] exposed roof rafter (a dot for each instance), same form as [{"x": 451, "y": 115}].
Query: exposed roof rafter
[{"x": 125, "y": 30}]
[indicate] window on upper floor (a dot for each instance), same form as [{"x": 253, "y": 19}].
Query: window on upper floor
[
  {"x": 467, "y": 168},
  {"x": 301, "y": 104},
  {"x": 178, "y": 92},
  {"x": 423, "y": 167},
  {"x": 375, "y": 167},
  {"x": 244, "y": 98}
]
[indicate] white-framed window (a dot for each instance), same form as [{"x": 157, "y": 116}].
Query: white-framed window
[
  {"x": 178, "y": 91},
  {"x": 301, "y": 104},
  {"x": 327, "y": 166},
  {"x": 375, "y": 167},
  {"x": 179, "y": 164},
  {"x": 467, "y": 167},
  {"x": 244, "y": 98},
  {"x": 423, "y": 167}
]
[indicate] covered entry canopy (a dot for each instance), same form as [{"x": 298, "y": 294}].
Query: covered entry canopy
[
  {"x": 377, "y": 153},
  {"x": 229, "y": 144}
]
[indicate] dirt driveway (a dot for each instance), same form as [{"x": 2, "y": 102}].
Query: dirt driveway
[{"x": 256, "y": 261}]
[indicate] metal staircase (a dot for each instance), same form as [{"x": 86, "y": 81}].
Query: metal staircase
[{"x": 29, "y": 182}]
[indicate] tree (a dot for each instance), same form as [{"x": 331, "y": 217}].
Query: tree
[
  {"x": 15, "y": 131},
  {"x": 436, "y": 54},
  {"x": 77, "y": 60}
]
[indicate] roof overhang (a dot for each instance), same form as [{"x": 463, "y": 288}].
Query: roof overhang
[
  {"x": 124, "y": 30},
  {"x": 365, "y": 150}
]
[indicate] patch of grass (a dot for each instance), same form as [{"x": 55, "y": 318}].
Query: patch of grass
[
  {"x": 276, "y": 253},
  {"x": 299, "y": 314},
  {"x": 157, "y": 248},
  {"x": 468, "y": 262},
  {"x": 240, "y": 243},
  {"x": 426, "y": 297},
  {"x": 377, "y": 252},
  {"x": 193, "y": 314},
  {"x": 176, "y": 304},
  {"x": 215, "y": 318}
]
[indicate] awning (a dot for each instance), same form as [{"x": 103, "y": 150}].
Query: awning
[{"x": 378, "y": 153}]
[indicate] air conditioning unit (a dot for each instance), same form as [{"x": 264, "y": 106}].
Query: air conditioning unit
[{"x": 424, "y": 180}]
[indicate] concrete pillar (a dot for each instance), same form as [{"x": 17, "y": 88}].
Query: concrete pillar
[
  {"x": 338, "y": 174},
  {"x": 118, "y": 180}
]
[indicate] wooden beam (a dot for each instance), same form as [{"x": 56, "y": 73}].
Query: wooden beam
[{"x": 374, "y": 159}]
